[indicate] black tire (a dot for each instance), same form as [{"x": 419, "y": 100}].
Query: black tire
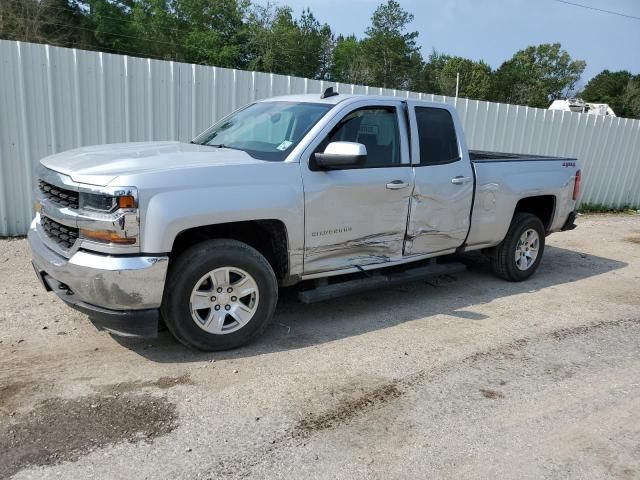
[
  {"x": 196, "y": 262},
  {"x": 503, "y": 261}
]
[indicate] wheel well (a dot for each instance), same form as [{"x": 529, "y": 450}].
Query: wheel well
[
  {"x": 541, "y": 206},
  {"x": 269, "y": 237}
]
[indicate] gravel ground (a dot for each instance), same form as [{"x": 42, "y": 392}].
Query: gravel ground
[{"x": 464, "y": 377}]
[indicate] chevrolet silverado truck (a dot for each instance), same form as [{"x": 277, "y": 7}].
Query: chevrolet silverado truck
[{"x": 337, "y": 193}]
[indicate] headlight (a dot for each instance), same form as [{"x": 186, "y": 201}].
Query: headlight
[
  {"x": 115, "y": 223},
  {"x": 105, "y": 203},
  {"x": 98, "y": 202}
]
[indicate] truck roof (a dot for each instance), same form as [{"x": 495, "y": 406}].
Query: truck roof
[
  {"x": 315, "y": 98},
  {"x": 335, "y": 99},
  {"x": 310, "y": 98}
]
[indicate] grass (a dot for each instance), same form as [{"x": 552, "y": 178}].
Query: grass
[{"x": 587, "y": 208}]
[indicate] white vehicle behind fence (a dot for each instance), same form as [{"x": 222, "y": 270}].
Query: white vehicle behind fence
[{"x": 577, "y": 105}]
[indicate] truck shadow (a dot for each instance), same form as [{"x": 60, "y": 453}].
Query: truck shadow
[{"x": 297, "y": 325}]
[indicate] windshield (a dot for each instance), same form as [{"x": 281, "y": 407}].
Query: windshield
[{"x": 265, "y": 130}]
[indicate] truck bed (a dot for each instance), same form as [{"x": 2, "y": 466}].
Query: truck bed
[
  {"x": 503, "y": 178},
  {"x": 482, "y": 156}
]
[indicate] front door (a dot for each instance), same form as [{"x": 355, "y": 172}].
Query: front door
[
  {"x": 358, "y": 216},
  {"x": 440, "y": 211}
]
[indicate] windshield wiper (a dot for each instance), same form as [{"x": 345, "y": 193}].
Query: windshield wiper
[{"x": 221, "y": 145}]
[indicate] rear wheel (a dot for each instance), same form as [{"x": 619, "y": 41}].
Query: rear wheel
[
  {"x": 519, "y": 254},
  {"x": 220, "y": 294}
]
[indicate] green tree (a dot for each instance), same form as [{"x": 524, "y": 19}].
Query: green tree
[
  {"x": 272, "y": 39},
  {"x": 440, "y": 72},
  {"x": 213, "y": 31},
  {"x": 428, "y": 77},
  {"x": 349, "y": 63},
  {"x": 537, "y": 75},
  {"x": 327, "y": 45},
  {"x": 59, "y": 22},
  {"x": 631, "y": 98},
  {"x": 156, "y": 29},
  {"x": 475, "y": 78},
  {"x": 112, "y": 26},
  {"x": 312, "y": 40},
  {"x": 390, "y": 51},
  {"x": 279, "y": 43}
]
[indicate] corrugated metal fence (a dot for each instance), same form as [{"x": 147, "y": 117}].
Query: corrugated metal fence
[{"x": 53, "y": 99}]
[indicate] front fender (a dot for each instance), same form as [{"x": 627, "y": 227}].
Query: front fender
[{"x": 167, "y": 212}]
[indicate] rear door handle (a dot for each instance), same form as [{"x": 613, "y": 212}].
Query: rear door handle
[
  {"x": 460, "y": 180},
  {"x": 397, "y": 185}
]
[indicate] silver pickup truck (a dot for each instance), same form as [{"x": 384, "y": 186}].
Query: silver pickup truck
[{"x": 337, "y": 193}]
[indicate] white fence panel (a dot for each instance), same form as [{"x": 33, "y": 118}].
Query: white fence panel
[{"x": 54, "y": 99}]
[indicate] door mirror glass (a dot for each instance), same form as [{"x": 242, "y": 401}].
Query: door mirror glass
[{"x": 340, "y": 155}]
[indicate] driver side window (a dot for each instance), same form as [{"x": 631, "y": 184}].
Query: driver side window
[{"x": 376, "y": 128}]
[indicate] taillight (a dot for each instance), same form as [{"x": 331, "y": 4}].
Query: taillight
[{"x": 576, "y": 186}]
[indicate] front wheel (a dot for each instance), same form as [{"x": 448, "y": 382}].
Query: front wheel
[
  {"x": 519, "y": 254},
  {"x": 220, "y": 294}
]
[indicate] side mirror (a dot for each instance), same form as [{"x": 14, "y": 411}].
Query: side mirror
[{"x": 339, "y": 155}]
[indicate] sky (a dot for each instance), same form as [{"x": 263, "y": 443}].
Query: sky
[{"x": 493, "y": 30}]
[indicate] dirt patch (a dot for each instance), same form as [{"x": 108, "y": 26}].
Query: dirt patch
[
  {"x": 310, "y": 425},
  {"x": 65, "y": 429},
  {"x": 350, "y": 408},
  {"x": 356, "y": 406},
  {"x": 491, "y": 394},
  {"x": 563, "y": 333},
  {"x": 635, "y": 240},
  {"x": 346, "y": 410},
  {"x": 507, "y": 350},
  {"x": 9, "y": 392},
  {"x": 511, "y": 349},
  {"x": 162, "y": 383}
]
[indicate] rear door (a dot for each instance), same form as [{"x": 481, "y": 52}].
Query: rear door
[
  {"x": 440, "y": 208},
  {"x": 358, "y": 216}
]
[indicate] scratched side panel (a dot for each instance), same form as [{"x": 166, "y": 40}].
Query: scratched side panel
[
  {"x": 352, "y": 219},
  {"x": 376, "y": 248},
  {"x": 438, "y": 214}
]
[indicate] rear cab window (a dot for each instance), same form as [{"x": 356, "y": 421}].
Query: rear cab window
[{"x": 437, "y": 136}]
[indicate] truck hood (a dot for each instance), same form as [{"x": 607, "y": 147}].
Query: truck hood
[{"x": 101, "y": 164}]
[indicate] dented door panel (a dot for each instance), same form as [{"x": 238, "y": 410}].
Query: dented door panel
[
  {"x": 440, "y": 206},
  {"x": 438, "y": 212},
  {"x": 352, "y": 218}
]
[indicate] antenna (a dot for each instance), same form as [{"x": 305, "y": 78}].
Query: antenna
[{"x": 329, "y": 92}]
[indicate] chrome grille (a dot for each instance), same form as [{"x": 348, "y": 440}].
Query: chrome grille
[
  {"x": 59, "y": 196},
  {"x": 61, "y": 234}
]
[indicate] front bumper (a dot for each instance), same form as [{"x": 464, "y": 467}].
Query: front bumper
[{"x": 119, "y": 293}]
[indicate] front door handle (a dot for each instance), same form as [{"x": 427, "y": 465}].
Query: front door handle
[
  {"x": 397, "y": 185},
  {"x": 460, "y": 180}
]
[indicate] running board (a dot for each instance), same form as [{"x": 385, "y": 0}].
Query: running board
[{"x": 349, "y": 287}]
